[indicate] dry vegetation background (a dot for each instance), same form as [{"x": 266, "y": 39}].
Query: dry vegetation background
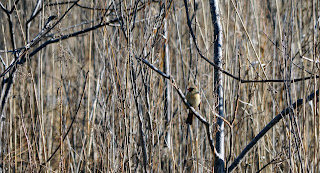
[{"x": 120, "y": 122}]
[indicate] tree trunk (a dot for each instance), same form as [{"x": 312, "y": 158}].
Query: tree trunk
[{"x": 215, "y": 15}]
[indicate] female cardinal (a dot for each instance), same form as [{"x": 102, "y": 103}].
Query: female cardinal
[{"x": 193, "y": 98}]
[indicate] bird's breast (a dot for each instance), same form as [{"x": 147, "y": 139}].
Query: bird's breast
[{"x": 193, "y": 99}]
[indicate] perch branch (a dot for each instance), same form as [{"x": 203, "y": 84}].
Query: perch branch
[{"x": 180, "y": 93}]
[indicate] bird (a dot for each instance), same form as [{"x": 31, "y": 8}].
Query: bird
[{"x": 193, "y": 98}]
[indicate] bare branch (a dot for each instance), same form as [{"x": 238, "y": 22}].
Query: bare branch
[
  {"x": 273, "y": 122},
  {"x": 228, "y": 73}
]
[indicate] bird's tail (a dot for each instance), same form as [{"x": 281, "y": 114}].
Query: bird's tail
[{"x": 190, "y": 117}]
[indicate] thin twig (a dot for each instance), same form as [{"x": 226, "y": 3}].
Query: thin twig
[{"x": 71, "y": 125}]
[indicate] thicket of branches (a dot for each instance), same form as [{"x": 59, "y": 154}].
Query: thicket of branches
[{"x": 99, "y": 86}]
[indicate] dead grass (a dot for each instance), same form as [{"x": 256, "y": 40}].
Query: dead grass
[{"x": 261, "y": 40}]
